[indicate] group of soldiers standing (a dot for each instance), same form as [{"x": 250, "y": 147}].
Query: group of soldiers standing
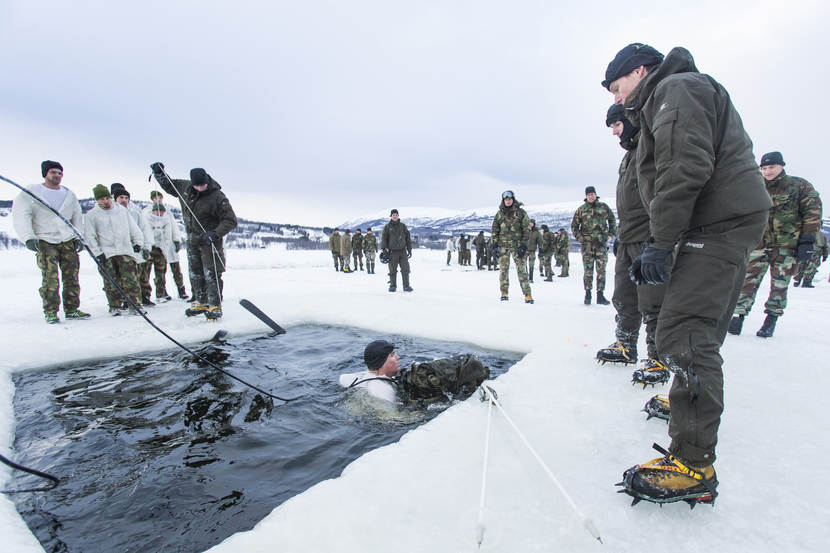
[{"x": 347, "y": 246}]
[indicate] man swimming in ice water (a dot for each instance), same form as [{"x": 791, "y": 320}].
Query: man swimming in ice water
[{"x": 382, "y": 364}]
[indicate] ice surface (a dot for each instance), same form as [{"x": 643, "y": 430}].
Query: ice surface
[{"x": 422, "y": 493}]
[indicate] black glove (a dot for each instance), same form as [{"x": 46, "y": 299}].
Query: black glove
[
  {"x": 614, "y": 246},
  {"x": 495, "y": 251},
  {"x": 31, "y": 243},
  {"x": 102, "y": 258},
  {"x": 78, "y": 245},
  {"x": 136, "y": 248},
  {"x": 650, "y": 267},
  {"x": 384, "y": 256},
  {"x": 146, "y": 255},
  {"x": 177, "y": 245},
  {"x": 408, "y": 254},
  {"x": 210, "y": 237},
  {"x": 521, "y": 251},
  {"x": 157, "y": 167},
  {"x": 805, "y": 250}
]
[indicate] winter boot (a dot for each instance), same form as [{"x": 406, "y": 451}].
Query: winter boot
[
  {"x": 587, "y": 297},
  {"x": 116, "y": 311},
  {"x": 164, "y": 298},
  {"x": 549, "y": 279},
  {"x": 213, "y": 312},
  {"x": 77, "y": 314},
  {"x": 652, "y": 372},
  {"x": 735, "y": 325},
  {"x": 504, "y": 297},
  {"x": 618, "y": 353},
  {"x": 147, "y": 302},
  {"x": 796, "y": 283},
  {"x": 182, "y": 293},
  {"x": 51, "y": 318},
  {"x": 667, "y": 479},
  {"x": 392, "y": 287},
  {"x": 407, "y": 288},
  {"x": 659, "y": 407},
  {"x": 768, "y": 327},
  {"x": 808, "y": 284},
  {"x": 563, "y": 275},
  {"x": 528, "y": 299},
  {"x": 601, "y": 299},
  {"x": 196, "y": 308}
]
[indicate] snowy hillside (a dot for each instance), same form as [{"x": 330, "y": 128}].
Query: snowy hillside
[{"x": 584, "y": 420}]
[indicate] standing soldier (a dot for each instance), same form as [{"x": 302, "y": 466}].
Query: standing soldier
[
  {"x": 462, "y": 245},
  {"x": 357, "y": 249},
  {"x": 157, "y": 198},
  {"x": 208, "y": 217},
  {"x": 450, "y": 248},
  {"x": 396, "y": 244},
  {"x": 143, "y": 258},
  {"x": 334, "y": 246},
  {"x": 492, "y": 255},
  {"x": 634, "y": 304},
  {"x": 370, "y": 248},
  {"x": 593, "y": 224},
  {"x": 562, "y": 245},
  {"x": 532, "y": 246},
  {"x": 114, "y": 237},
  {"x": 794, "y": 221},
  {"x": 808, "y": 270},
  {"x": 696, "y": 174},
  {"x": 546, "y": 248},
  {"x": 166, "y": 245},
  {"x": 481, "y": 249},
  {"x": 511, "y": 228},
  {"x": 52, "y": 240},
  {"x": 346, "y": 250}
]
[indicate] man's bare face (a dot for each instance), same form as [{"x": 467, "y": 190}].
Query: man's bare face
[
  {"x": 771, "y": 171},
  {"x": 105, "y": 202},
  {"x": 591, "y": 197},
  {"x": 54, "y": 177},
  {"x": 617, "y": 128},
  {"x": 623, "y": 86},
  {"x": 508, "y": 201},
  {"x": 123, "y": 200}
]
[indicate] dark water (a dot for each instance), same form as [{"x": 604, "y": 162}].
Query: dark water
[{"x": 158, "y": 453}]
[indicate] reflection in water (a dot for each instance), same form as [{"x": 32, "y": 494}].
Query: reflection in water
[{"x": 157, "y": 452}]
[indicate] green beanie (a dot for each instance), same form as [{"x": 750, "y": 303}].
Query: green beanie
[
  {"x": 154, "y": 193},
  {"x": 100, "y": 191}
]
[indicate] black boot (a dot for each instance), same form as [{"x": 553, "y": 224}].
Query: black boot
[
  {"x": 618, "y": 352},
  {"x": 587, "y": 297},
  {"x": 768, "y": 327},
  {"x": 796, "y": 283},
  {"x": 601, "y": 299},
  {"x": 736, "y": 324},
  {"x": 808, "y": 284}
]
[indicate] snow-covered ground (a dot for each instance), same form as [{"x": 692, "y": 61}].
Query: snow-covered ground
[{"x": 422, "y": 493}]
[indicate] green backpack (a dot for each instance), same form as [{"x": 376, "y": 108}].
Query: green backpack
[{"x": 458, "y": 376}]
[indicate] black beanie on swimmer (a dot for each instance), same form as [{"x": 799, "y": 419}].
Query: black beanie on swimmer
[
  {"x": 49, "y": 164},
  {"x": 376, "y": 353},
  {"x": 117, "y": 189}
]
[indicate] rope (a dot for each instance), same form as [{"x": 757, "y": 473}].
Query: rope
[
  {"x": 12, "y": 464},
  {"x": 137, "y": 308},
  {"x": 586, "y": 522},
  {"x": 480, "y": 523}
]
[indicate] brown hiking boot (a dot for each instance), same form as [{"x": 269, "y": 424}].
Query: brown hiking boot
[{"x": 668, "y": 479}]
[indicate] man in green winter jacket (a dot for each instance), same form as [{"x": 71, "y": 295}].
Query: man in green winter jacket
[
  {"x": 794, "y": 221},
  {"x": 697, "y": 175},
  {"x": 593, "y": 224},
  {"x": 532, "y": 246},
  {"x": 510, "y": 232},
  {"x": 396, "y": 244}
]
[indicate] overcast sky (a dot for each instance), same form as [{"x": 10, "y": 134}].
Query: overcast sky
[{"x": 315, "y": 112}]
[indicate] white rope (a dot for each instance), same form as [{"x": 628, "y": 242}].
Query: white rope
[
  {"x": 586, "y": 522},
  {"x": 480, "y": 522}
]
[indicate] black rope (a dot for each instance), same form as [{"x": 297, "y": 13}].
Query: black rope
[
  {"x": 55, "y": 480},
  {"x": 135, "y": 307}
]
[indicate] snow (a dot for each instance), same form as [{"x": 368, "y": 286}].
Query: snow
[{"x": 583, "y": 419}]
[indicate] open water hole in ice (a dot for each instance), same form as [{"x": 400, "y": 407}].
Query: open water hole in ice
[{"x": 158, "y": 453}]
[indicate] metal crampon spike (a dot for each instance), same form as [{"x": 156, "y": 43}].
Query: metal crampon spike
[
  {"x": 620, "y": 484},
  {"x": 635, "y": 501}
]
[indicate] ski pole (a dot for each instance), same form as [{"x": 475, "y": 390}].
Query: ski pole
[{"x": 587, "y": 523}]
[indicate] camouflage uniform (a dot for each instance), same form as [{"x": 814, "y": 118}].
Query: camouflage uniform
[
  {"x": 357, "y": 250},
  {"x": 492, "y": 258},
  {"x": 592, "y": 225},
  {"x": 346, "y": 250},
  {"x": 462, "y": 245},
  {"x": 562, "y": 245},
  {"x": 124, "y": 270},
  {"x": 481, "y": 249},
  {"x": 334, "y": 246},
  {"x": 50, "y": 259},
  {"x": 532, "y": 246},
  {"x": 546, "y": 248},
  {"x": 796, "y": 212},
  {"x": 807, "y": 270},
  {"x": 511, "y": 229},
  {"x": 370, "y": 249}
]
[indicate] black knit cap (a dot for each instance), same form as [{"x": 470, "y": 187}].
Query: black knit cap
[
  {"x": 117, "y": 189},
  {"x": 628, "y": 59},
  {"x": 199, "y": 176},
  {"x": 589, "y": 189},
  {"x": 615, "y": 113},
  {"x": 49, "y": 164},
  {"x": 376, "y": 353},
  {"x": 772, "y": 158},
  {"x": 393, "y": 212}
]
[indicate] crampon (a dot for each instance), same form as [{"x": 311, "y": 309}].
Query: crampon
[
  {"x": 667, "y": 480},
  {"x": 617, "y": 353},
  {"x": 658, "y": 406},
  {"x": 651, "y": 372}
]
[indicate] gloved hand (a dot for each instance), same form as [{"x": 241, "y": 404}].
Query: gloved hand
[
  {"x": 78, "y": 245},
  {"x": 805, "y": 250},
  {"x": 408, "y": 254},
  {"x": 614, "y": 246},
  {"x": 210, "y": 237},
  {"x": 650, "y": 267},
  {"x": 136, "y": 248},
  {"x": 177, "y": 245},
  {"x": 146, "y": 255},
  {"x": 31, "y": 243},
  {"x": 521, "y": 251},
  {"x": 384, "y": 256},
  {"x": 102, "y": 258},
  {"x": 157, "y": 167},
  {"x": 495, "y": 251}
]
